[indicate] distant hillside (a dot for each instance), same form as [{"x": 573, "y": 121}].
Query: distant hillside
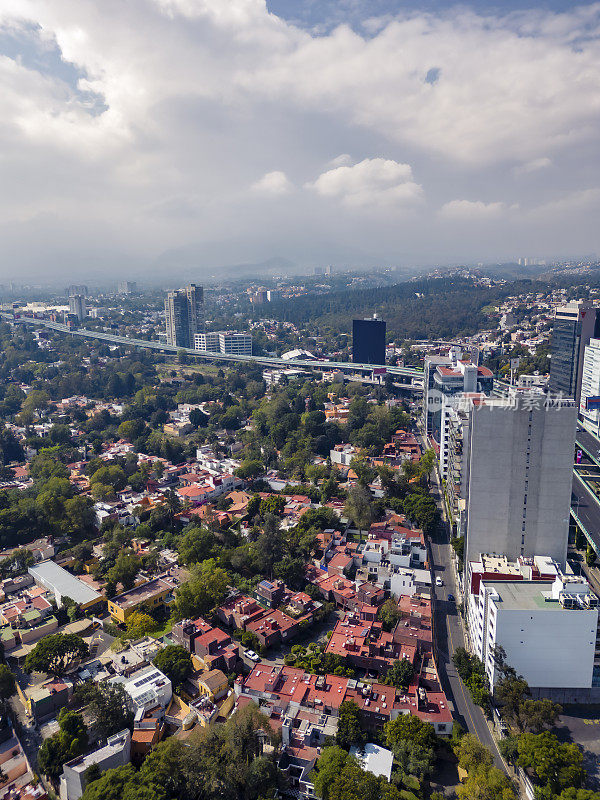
[{"x": 438, "y": 308}]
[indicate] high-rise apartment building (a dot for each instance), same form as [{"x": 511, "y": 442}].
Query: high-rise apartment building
[
  {"x": 184, "y": 313},
  {"x": 77, "y": 306},
  {"x": 574, "y": 325},
  {"x": 77, "y": 288},
  {"x": 512, "y": 464},
  {"x": 589, "y": 402},
  {"x": 368, "y": 341},
  {"x": 127, "y": 287},
  {"x": 446, "y": 377}
]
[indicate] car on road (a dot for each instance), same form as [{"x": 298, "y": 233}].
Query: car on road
[
  {"x": 439, "y": 581},
  {"x": 451, "y": 598},
  {"x": 252, "y": 655}
]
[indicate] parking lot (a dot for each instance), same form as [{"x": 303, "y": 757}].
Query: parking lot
[{"x": 581, "y": 725}]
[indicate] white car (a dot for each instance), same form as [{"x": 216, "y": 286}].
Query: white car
[
  {"x": 439, "y": 581},
  {"x": 251, "y": 655}
]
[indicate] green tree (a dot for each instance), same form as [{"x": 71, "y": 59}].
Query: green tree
[
  {"x": 556, "y": 765},
  {"x": 139, "y": 624},
  {"x": 70, "y": 741},
  {"x": 109, "y": 707},
  {"x": 331, "y": 763},
  {"x": 123, "y": 783},
  {"x": 205, "y": 589},
  {"x": 359, "y": 508},
  {"x": 250, "y": 469},
  {"x": 274, "y": 504},
  {"x": 349, "y": 731},
  {"x": 389, "y": 614},
  {"x": 590, "y": 556},
  {"x": 195, "y": 545},
  {"x": 56, "y": 653},
  {"x": 400, "y": 673},
  {"x": 486, "y": 784},
  {"x": 175, "y": 662},
  {"x": 407, "y": 727},
  {"x": 125, "y": 569},
  {"x": 472, "y": 755},
  {"x": 7, "y": 682}
]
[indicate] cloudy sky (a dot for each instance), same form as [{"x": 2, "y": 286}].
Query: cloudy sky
[{"x": 153, "y": 134}]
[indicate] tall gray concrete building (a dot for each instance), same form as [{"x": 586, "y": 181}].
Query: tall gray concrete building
[
  {"x": 77, "y": 306},
  {"x": 184, "y": 315},
  {"x": 514, "y": 464}
]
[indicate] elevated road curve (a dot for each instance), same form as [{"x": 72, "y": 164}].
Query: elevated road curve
[{"x": 414, "y": 377}]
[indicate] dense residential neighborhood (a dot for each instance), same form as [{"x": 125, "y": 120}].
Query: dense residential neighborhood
[{"x": 325, "y": 570}]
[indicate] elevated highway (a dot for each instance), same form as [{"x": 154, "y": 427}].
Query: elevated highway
[{"x": 412, "y": 378}]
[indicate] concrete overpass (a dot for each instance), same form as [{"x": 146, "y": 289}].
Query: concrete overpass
[{"x": 411, "y": 378}]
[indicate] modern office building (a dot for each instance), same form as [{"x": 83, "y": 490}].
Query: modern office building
[
  {"x": 589, "y": 401},
  {"x": 512, "y": 471},
  {"x": 184, "y": 313},
  {"x": 77, "y": 306},
  {"x": 446, "y": 377},
  {"x": 368, "y": 341},
  {"x": 207, "y": 342},
  {"x": 574, "y": 325},
  {"x": 226, "y": 342}
]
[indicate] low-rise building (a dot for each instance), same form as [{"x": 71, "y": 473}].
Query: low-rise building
[
  {"x": 62, "y": 585},
  {"x": 116, "y": 753},
  {"x": 212, "y": 646},
  {"x": 147, "y": 688},
  {"x": 213, "y": 684},
  {"x": 147, "y": 596}
]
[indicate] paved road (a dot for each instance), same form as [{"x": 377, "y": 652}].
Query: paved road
[
  {"x": 449, "y": 635},
  {"x": 589, "y": 442},
  {"x": 587, "y": 509}
]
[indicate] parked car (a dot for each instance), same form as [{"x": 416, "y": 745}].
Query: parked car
[
  {"x": 252, "y": 655},
  {"x": 439, "y": 581},
  {"x": 451, "y": 598}
]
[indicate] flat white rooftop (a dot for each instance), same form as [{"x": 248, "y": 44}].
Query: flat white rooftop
[{"x": 62, "y": 583}]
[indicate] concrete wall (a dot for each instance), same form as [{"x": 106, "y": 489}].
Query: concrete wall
[
  {"x": 554, "y": 649},
  {"x": 509, "y": 461}
]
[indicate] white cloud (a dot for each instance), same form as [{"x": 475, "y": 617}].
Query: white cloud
[
  {"x": 343, "y": 160},
  {"x": 374, "y": 181},
  {"x": 472, "y": 210},
  {"x": 274, "y": 183},
  {"x": 533, "y": 166},
  {"x": 569, "y": 203},
  {"x": 193, "y": 99}
]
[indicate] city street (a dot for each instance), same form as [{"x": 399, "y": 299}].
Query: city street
[{"x": 448, "y": 635}]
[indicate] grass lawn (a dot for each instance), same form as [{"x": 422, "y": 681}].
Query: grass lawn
[{"x": 164, "y": 628}]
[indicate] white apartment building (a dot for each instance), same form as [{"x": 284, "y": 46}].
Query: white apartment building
[
  {"x": 225, "y": 342},
  {"x": 516, "y": 459},
  {"x": 590, "y": 386},
  {"x": 548, "y": 630},
  {"x": 116, "y": 753},
  {"x": 342, "y": 455},
  {"x": 147, "y": 688}
]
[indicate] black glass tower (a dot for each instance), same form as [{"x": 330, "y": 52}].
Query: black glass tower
[{"x": 368, "y": 341}]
